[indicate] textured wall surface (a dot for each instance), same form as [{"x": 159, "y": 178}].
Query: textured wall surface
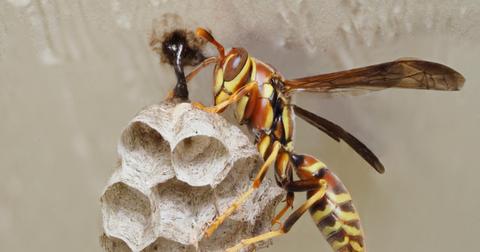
[{"x": 72, "y": 73}]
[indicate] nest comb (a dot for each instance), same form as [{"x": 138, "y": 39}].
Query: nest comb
[{"x": 179, "y": 168}]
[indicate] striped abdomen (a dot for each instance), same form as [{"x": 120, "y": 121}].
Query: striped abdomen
[{"x": 334, "y": 215}]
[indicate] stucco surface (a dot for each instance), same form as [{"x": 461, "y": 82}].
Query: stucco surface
[{"x": 72, "y": 74}]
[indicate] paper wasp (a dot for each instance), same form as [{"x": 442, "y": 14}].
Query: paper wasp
[{"x": 263, "y": 102}]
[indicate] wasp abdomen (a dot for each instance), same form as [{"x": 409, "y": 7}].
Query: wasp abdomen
[{"x": 334, "y": 214}]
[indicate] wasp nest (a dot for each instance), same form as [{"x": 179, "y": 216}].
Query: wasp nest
[{"x": 181, "y": 167}]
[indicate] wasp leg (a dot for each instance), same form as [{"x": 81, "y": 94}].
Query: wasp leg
[
  {"x": 242, "y": 198},
  {"x": 321, "y": 186},
  {"x": 302, "y": 185},
  {"x": 201, "y": 66},
  {"x": 236, "y": 96},
  {"x": 288, "y": 204},
  {"x": 295, "y": 186}
]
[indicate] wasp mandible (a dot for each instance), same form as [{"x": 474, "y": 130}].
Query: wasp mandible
[{"x": 263, "y": 102}]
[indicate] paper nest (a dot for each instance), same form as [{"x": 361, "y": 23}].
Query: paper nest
[{"x": 179, "y": 168}]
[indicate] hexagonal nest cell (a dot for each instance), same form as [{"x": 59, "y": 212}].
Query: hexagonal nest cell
[{"x": 180, "y": 167}]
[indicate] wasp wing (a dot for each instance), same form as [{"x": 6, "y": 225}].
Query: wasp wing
[
  {"x": 337, "y": 133},
  {"x": 403, "y": 73}
]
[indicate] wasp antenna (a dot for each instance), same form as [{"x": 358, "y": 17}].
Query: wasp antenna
[{"x": 206, "y": 35}]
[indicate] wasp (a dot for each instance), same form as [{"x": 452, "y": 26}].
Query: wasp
[{"x": 263, "y": 102}]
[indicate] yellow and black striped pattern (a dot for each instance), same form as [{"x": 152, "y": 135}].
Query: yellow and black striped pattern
[{"x": 335, "y": 214}]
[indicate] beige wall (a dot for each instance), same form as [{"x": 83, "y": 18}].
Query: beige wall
[{"x": 72, "y": 73}]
